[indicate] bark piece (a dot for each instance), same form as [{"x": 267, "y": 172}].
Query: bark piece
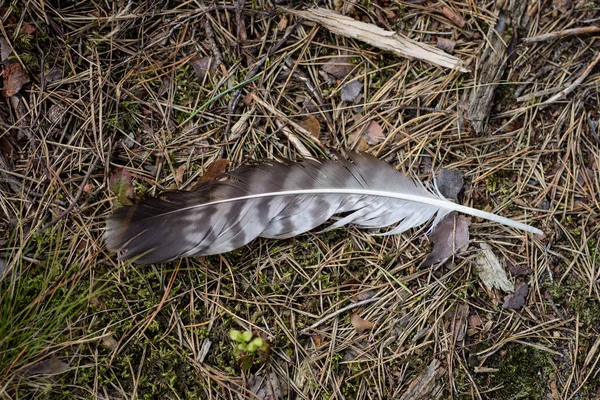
[
  {"x": 493, "y": 61},
  {"x": 427, "y": 385}
]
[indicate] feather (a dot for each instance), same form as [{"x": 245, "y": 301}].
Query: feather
[{"x": 278, "y": 200}]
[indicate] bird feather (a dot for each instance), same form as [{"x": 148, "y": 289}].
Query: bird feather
[{"x": 278, "y": 199}]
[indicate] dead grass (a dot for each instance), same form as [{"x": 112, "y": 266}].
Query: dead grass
[{"x": 114, "y": 87}]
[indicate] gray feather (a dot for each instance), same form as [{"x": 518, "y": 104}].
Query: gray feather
[{"x": 278, "y": 200}]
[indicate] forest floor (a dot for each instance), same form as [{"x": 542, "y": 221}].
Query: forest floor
[{"x": 105, "y": 102}]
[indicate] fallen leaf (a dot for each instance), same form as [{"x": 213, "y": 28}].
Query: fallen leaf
[
  {"x": 364, "y": 295},
  {"x": 450, "y": 182},
  {"x": 448, "y": 237},
  {"x": 475, "y": 321},
  {"x": 48, "y": 366},
  {"x": 215, "y": 169},
  {"x": 446, "y": 44},
  {"x": 517, "y": 299},
  {"x": 14, "y": 78},
  {"x": 351, "y": 91},
  {"x": 519, "y": 269},
  {"x": 360, "y": 324},
  {"x": 453, "y": 16},
  {"x": 311, "y": 124},
  {"x": 374, "y": 133},
  {"x": 28, "y": 29},
  {"x": 55, "y": 74},
  {"x": 318, "y": 340},
  {"x": 283, "y": 23},
  {"x": 121, "y": 184},
  {"x": 203, "y": 66},
  {"x": 109, "y": 342},
  {"x": 88, "y": 188},
  {"x": 5, "y": 49},
  {"x": 358, "y": 142},
  {"x": 339, "y": 67},
  {"x": 490, "y": 272}
]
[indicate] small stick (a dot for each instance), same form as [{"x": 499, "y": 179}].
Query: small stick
[
  {"x": 573, "y": 85},
  {"x": 561, "y": 34},
  {"x": 340, "y": 311}
]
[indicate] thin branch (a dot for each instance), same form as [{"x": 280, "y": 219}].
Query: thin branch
[{"x": 561, "y": 34}]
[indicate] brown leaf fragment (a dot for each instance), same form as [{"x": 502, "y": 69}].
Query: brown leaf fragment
[
  {"x": 14, "y": 77},
  {"x": 5, "y": 49},
  {"x": 204, "y": 66},
  {"x": 450, "y": 182},
  {"x": 48, "y": 366},
  {"x": 283, "y": 23},
  {"x": 374, "y": 133},
  {"x": 109, "y": 342},
  {"x": 449, "y": 237},
  {"x": 360, "y": 324},
  {"x": 364, "y": 295},
  {"x": 517, "y": 299},
  {"x": 453, "y": 16},
  {"x": 121, "y": 184},
  {"x": 339, "y": 67},
  {"x": 519, "y": 269},
  {"x": 351, "y": 91},
  {"x": 215, "y": 169},
  {"x": 427, "y": 385},
  {"x": 28, "y": 29},
  {"x": 311, "y": 124},
  {"x": 446, "y": 44},
  {"x": 358, "y": 141}
]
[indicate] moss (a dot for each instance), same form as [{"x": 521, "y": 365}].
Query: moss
[{"x": 523, "y": 373}]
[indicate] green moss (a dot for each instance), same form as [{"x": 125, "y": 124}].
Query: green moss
[{"x": 523, "y": 373}]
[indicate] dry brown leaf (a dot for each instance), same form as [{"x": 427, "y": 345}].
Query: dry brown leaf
[
  {"x": 449, "y": 237},
  {"x": 358, "y": 141},
  {"x": 351, "y": 91},
  {"x": 446, "y": 44},
  {"x": 517, "y": 299},
  {"x": 311, "y": 124},
  {"x": 48, "y": 366},
  {"x": 374, "y": 133},
  {"x": 28, "y": 29},
  {"x": 215, "y": 169},
  {"x": 339, "y": 67},
  {"x": 204, "y": 66},
  {"x": 283, "y": 23},
  {"x": 14, "y": 77},
  {"x": 360, "y": 324}
]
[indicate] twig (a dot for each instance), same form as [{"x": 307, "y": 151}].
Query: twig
[
  {"x": 340, "y": 311},
  {"x": 573, "y": 85},
  {"x": 76, "y": 198},
  {"x": 210, "y": 38},
  {"x": 561, "y": 34}
]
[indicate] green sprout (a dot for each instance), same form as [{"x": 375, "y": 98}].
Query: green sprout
[{"x": 249, "y": 348}]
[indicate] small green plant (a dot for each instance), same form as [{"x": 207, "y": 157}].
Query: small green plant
[{"x": 250, "y": 349}]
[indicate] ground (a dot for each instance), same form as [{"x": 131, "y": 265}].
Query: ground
[{"x": 106, "y": 102}]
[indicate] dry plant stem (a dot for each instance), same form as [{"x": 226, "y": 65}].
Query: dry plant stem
[
  {"x": 561, "y": 34},
  {"x": 235, "y": 98},
  {"x": 76, "y": 198},
  {"x": 576, "y": 83},
  {"x": 340, "y": 311},
  {"x": 380, "y": 38}
]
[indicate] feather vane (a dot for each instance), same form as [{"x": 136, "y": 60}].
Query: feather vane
[{"x": 278, "y": 200}]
